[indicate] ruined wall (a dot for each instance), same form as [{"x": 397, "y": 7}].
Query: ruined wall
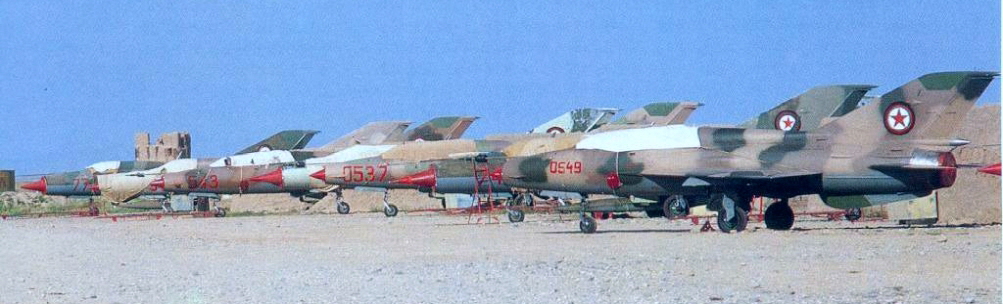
[
  {"x": 6, "y": 180},
  {"x": 168, "y": 147}
]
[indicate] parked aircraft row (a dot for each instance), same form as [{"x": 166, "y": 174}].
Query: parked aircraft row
[{"x": 820, "y": 142}]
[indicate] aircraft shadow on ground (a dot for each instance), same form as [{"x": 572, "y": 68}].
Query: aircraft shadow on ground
[
  {"x": 895, "y": 226},
  {"x": 623, "y": 231}
]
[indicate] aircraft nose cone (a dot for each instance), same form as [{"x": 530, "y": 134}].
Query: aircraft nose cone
[
  {"x": 39, "y": 185},
  {"x": 319, "y": 174},
  {"x": 425, "y": 179},
  {"x": 274, "y": 177},
  {"x": 991, "y": 169}
]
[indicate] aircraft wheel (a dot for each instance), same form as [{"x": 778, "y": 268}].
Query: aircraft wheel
[
  {"x": 737, "y": 222},
  {"x": 779, "y": 216},
  {"x": 343, "y": 208},
  {"x": 675, "y": 206},
  {"x": 390, "y": 210},
  {"x": 516, "y": 216},
  {"x": 853, "y": 214},
  {"x": 588, "y": 225}
]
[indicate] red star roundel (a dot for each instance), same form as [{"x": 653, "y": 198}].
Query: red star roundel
[
  {"x": 899, "y": 118},
  {"x": 787, "y": 120}
]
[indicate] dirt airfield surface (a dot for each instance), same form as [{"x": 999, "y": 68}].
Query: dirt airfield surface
[{"x": 431, "y": 258}]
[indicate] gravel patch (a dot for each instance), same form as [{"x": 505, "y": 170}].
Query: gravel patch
[{"x": 429, "y": 258}]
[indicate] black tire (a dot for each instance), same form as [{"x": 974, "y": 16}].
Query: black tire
[
  {"x": 516, "y": 216},
  {"x": 779, "y": 216},
  {"x": 737, "y": 223},
  {"x": 675, "y": 206},
  {"x": 390, "y": 210},
  {"x": 654, "y": 213},
  {"x": 343, "y": 208},
  {"x": 220, "y": 212},
  {"x": 588, "y": 225},
  {"x": 853, "y": 214}
]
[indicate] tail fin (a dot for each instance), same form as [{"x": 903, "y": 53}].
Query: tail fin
[
  {"x": 441, "y": 128},
  {"x": 577, "y": 120},
  {"x": 284, "y": 140},
  {"x": 927, "y": 109},
  {"x": 373, "y": 133},
  {"x": 660, "y": 113},
  {"x": 809, "y": 110}
]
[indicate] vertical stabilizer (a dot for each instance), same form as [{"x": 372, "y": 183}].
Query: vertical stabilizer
[
  {"x": 441, "y": 128},
  {"x": 810, "y": 109}
]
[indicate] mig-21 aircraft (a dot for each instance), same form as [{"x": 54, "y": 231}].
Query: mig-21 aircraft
[
  {"x": 474, "y": 167},
  {"x": 304, "y": 178},
  {"x": 125, "y": 187},
  {"x": 85, "y": 182},
  {"x": 894, "y": 148}
]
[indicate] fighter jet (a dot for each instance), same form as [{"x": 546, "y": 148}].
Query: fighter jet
[
  {"x": 305, "y": 178},
  {"x": 84, "y": 182},
  {"x": 125, "y": 187},
  {"x": 474, "y": 167},
  {"x": 895, "y": 148}
]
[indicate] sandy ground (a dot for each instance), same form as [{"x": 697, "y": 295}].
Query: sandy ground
[{"x": 429, "y": 258}]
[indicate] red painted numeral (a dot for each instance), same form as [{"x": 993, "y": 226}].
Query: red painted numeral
[
  {"x": 364, "y": 173},
  {"x": 568, "y": 167}
]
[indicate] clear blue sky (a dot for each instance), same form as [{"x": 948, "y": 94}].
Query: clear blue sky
[{"x": 78, "y": 78}]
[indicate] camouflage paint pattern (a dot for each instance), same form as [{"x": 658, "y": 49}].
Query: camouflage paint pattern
[
  {"x": 867, "y": 156},
  {"x": 440, "y": 128},
  {"x": 809, "y": 109},
  {"x": 657, "y": 114},
  {"x": 284, "y": 140}
]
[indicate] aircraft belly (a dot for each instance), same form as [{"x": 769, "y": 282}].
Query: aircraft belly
[{"x": 466, "y": 185}]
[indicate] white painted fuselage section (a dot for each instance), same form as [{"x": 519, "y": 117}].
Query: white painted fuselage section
[
  {"x": 666, "y": 137},
  {"x": 255, "y": 158},
  {"x": 352, "y": 153}
]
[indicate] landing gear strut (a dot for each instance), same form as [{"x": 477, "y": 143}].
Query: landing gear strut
[
  {"x": 340, "y": 203},
  {"x": 734, "y": 214},
  {"x": 388, "y": 209},
  {"x": 587, "y": 224},
  {"x": 675, "y": 206},
  {"x": 853, "y": 214},
  {"x": 779, "y": 216}
]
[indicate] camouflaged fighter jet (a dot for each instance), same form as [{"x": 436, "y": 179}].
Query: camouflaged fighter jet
[
  {"x": 406, "y": 166},
  {"x": 234, "y": 175},
  {"x": 897, "y": 147},
  {"x": 85, "y": 182},
  {"x": 310, "y": 177},
  {"x": 474, "y": 167}
]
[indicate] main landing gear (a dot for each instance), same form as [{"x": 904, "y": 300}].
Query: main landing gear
[
  {"x": 734, "y": 213},
  {"x": 779, "y": 215}
]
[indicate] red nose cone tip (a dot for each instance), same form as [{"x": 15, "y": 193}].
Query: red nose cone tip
[
  {"x": 38, "y": 185},
  {"x": 274, "y": 177},
  {"x": 319, "y": 174},
  {"x": 991, "y": 169},
  {"x": 424, "y": 179}
]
